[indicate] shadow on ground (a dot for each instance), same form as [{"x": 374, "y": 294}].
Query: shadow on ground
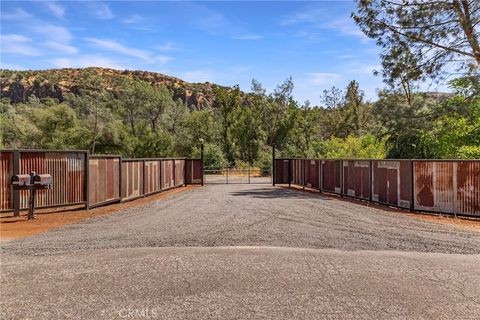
[{"x": 272, "y": 193}]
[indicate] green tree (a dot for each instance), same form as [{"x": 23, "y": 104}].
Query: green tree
[
  {"x": 91, "y": 105},
  {"x": 456, "y": 133},
  {"x": 226, "y": 102},
  {"x": 438, "y": 34}
]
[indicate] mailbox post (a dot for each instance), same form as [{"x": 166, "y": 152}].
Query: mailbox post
[{"x": 32, "y": 182}]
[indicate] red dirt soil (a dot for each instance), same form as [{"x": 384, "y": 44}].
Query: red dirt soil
[{"x": 19, "y": 227}]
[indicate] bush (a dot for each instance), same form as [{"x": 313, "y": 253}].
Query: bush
[
  {"x": 213, "y": 157},
  {"x": 363, "y": 147}
]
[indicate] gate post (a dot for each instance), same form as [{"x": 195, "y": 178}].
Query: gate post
[
  {"x": 273, "y": 165},
  {"x": 201, "y": 156}
]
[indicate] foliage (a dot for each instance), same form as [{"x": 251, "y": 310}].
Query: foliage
[
  {"x": 213, "y": 157},
  {"x": 456, "y": 133},
  {"x": 361, "y": 147},
  {"x": 141, "y": 119},
  {"x": 422, "y": 38}
]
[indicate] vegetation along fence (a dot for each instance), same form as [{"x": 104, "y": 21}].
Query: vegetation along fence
[
  {"x": 442, "y": 186},
  {"x": 91, "y": 180}
]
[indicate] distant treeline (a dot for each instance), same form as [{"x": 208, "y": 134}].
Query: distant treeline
[{"x": 142, "y": 119}]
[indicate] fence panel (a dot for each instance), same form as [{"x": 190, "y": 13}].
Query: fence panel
[
  {"x": 468, "y": 188},
  {"x": 392, "y": 182},
  {"x": 331, "y": 176},
  {"x": 152, "y": 176},
  {"x": 356, "y": 178},
  {"x": 312, "y": 173},
  {"x": 104, "y": 179},
  {"x": 194, "y": 173},
  {"x": 132, "y": 179},
  {"x": 179, "y": 172},
  {"x": 68, "y": 176},
  {"x": 6, "y": 171},
  {"x": 297, "y": 171},
  {"x": 448, "y": 186},
  {"x": 281, "y": 171},
  {"x": 167, "y": 174}
]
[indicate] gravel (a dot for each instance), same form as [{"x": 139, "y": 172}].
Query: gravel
[
  {"x": 252, "y": 215},
  {"x": 244, "y": 251}
]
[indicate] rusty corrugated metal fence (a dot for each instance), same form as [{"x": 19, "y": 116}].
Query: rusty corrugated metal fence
[
  {"x": 442, "y": 186},
  {"x": 91, "y": 180}
]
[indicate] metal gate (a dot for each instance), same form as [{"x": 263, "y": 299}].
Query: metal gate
[{"x": 229, "y": 175}]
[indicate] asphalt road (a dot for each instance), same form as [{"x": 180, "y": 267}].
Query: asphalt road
[{"x": 240, "y": 251}]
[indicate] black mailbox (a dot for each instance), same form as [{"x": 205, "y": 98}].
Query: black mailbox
[
  {"x": 21, "y": 180},
  {"x": 42, "y": 181},
  {"x": 31, "y": 182}
]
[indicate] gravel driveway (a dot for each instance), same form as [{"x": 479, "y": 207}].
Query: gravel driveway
[{"x": 247, "y": 251}]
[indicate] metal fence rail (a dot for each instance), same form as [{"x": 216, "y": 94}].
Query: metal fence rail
[
  {"x": 441, "y": 186},
  {"x": 231, "y": 175},
  {"x": 91, "y": 180}
]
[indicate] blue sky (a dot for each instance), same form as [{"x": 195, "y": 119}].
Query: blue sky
[{"x": 227, "y": 43}]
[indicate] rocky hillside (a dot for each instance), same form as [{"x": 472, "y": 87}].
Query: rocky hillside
[{"x": 55, "y": 83}]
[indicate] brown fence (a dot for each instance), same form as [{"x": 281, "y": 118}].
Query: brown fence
[
  {"x": 104, "y": 179},
  {"x": 91, "y": 180},
  {"x": 443, "y": 186},
  {"x": 193, "y": 171}
]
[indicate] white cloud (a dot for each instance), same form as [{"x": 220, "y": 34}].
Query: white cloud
[
  {"x": 18, "y": 44},
  {"x": 319, "y": 17},
  {"x": 322, "y": 78},
  {"x": 197, "y": 76},
  {"x": 59, "y": 47},
  {"x": 11, "y": 66},
  {"x": 86, "y": 61},
  {"x": 369, "y": 69},
  {"x": 346, "y": 56},
  {"x": 248, "y": 37},
  {"x": 56, "y": 9},
  {"x": 52, "y": 32},
  {"x": 135, "y": 18},
  {"x": 114, "y": 46},
  {"x": 346, "y": 26},
  {"x": 163, "y": 59},
  {"x": 117, "y": 47},
  {"x": 100, "y": 10},
  {"x": 167, "y": 46},
  {"x": 15, "y": 14}
]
